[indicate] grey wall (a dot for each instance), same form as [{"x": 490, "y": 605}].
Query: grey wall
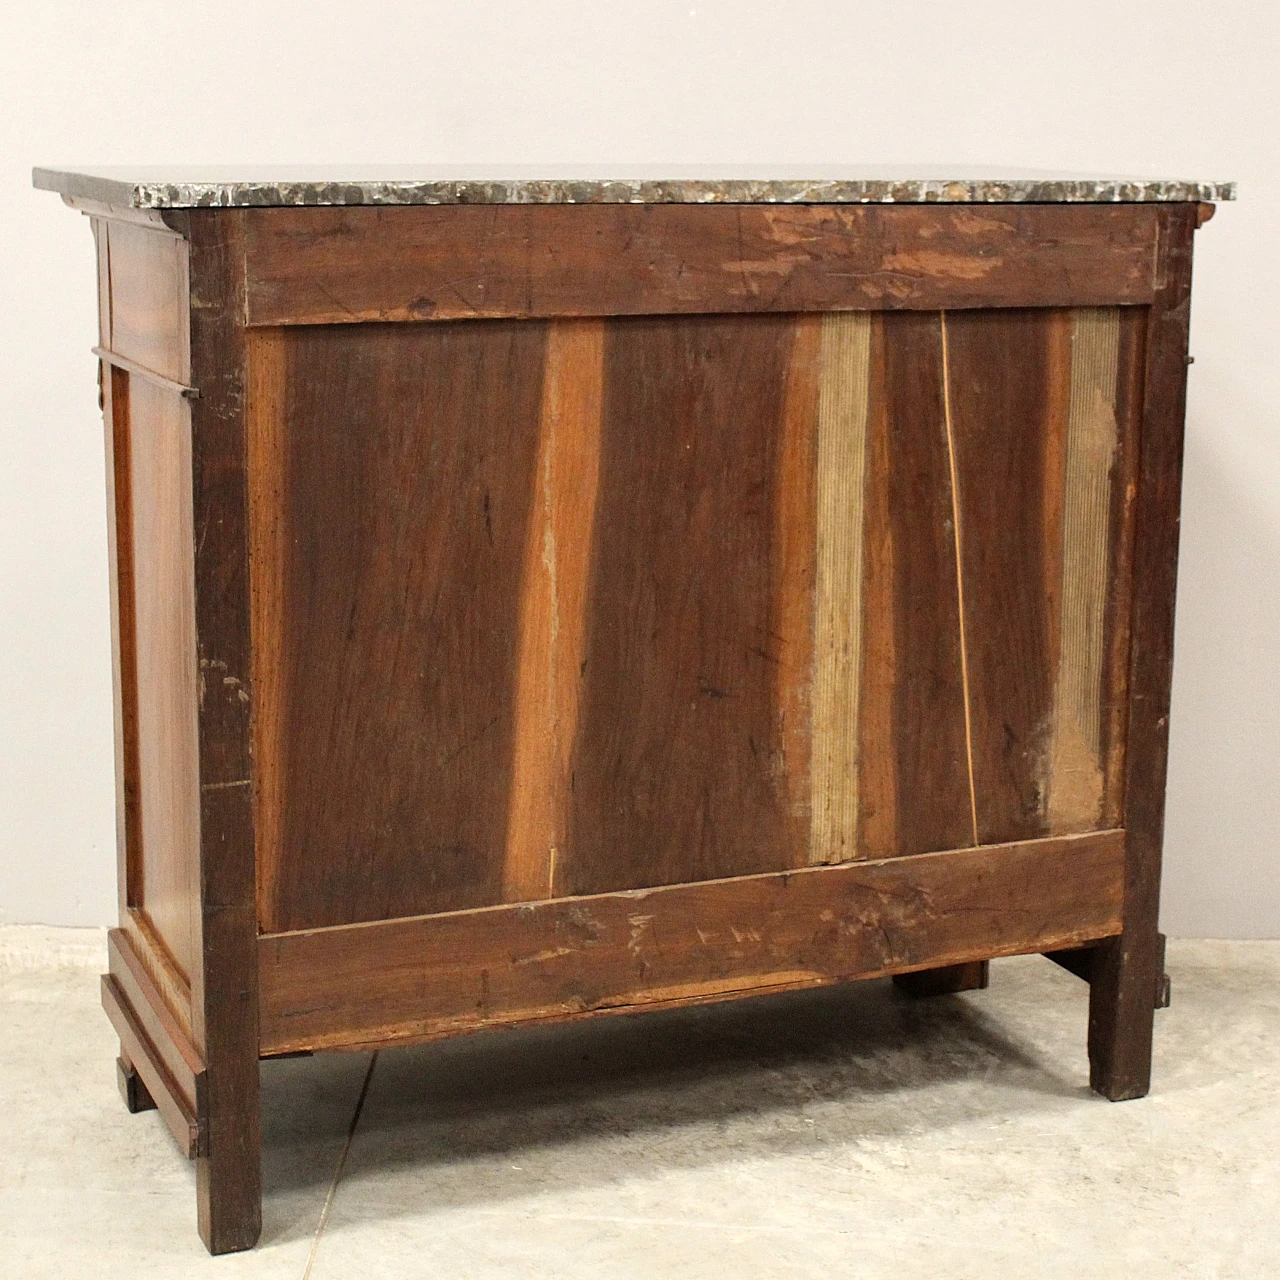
[{"x": 1169, "y": 88}]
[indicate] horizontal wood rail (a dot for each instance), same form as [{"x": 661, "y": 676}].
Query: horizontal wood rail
[
  {"x": 339, "y": 265},
  {"x": 425, "y": 977},
  {"x": 141, "y": 371},
  {"x": 147, "y": 1059}
]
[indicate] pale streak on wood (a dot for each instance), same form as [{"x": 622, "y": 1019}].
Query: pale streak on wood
[
  {"x": 266, "y": 356},
  {"x": 795, "y": 513},
  {"x": 553, "y": 606},
  {"x": 1075, "y": 786},
  {"x": 841, "y": 482},
  {"x": 955, "y": 528}
]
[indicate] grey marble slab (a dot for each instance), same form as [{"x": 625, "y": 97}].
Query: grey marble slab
[{"x": 180, "y": 187}]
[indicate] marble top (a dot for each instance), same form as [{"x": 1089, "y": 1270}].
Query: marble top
[{"x": 179, "y": 187}]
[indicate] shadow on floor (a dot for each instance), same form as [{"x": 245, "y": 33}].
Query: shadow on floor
[{"x": 584, "y": 1104}]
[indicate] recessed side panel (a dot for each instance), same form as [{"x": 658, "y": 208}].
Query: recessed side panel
[{"x": 164, "y": 864}]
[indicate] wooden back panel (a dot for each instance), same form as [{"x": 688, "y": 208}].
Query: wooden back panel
[{"x": 549, "y": 608}]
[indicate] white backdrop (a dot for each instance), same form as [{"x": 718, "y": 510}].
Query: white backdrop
[{"x": 1174, "y": 88}]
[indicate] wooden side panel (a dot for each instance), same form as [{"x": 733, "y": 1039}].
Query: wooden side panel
[
  {"x": 913, "y": 778},
  {"x": 1043, "y": 426},
  {"x": 679, "y": 771},
  {"x": 441, "y": 975},
  {"x": 340, "y": 265},
  {"x": 145, "y": 319},
  {"x": 388, "y": 606},
  {"x": 165, "y": 859}
]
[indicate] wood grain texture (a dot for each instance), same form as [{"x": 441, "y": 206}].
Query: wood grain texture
[
  {"x": 914, "y": 788},
  {"x": 169, "y": 1039},
  {"x": 1009, "y": 384},
  {"x": 679, "y": 770},
  {"x": 148, "y": 284},
  {"x": 341, "y": 265},
  {"x": 441, "y": 975},
  {"x": 1075, "y": 759},
  {"x": 224, "y": 982},
  {"x": 166, "y": 852},
  {"x": 181, "y": 1120},
  {"x": 553, "y": 593},
  {"x": 1126, "y": 975},
  {"x": 841, "y": 482},
  {"x": 390, "y": 569},
  {"x": 1042, "y": 426},
  {"x": 124, "y": 647}
]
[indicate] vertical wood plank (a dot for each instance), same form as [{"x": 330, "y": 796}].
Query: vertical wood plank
[
  {"x": 124, "y": 653},
  {"x": 225, "y": 982},
  {"x": 679, "y": 769},
  {"x": 791, "y": 647},
  {"x": 1126, "y": 976},
  {"x": 914, "y": 789},
  {"x": 167, "y": 832},
  {"x": 553, "y": 594},
  {"x": 391, "y": 594},
  {"x": 266, "y": 377},
  {"x": 1009, "y": 380},
  {"x": 841, "y": 471},
  {"x": 1075, "y": 762}
]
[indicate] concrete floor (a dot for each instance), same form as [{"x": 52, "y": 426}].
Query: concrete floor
[{"x": 847, "y": 1132}]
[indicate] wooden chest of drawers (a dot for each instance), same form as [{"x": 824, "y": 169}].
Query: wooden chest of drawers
[{"x": 538, "y": 600}]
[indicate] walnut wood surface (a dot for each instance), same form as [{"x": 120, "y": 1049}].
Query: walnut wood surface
[
  {"x": 404, "y": 459},
  {"x": 224, "y": 983},
  {"x": 145, "y": 314},
  {"x": 440, "y": 975},
  {"x": 339, "y": 265},
  {"x": 577, "y": 606},
  {"x": 758, "y": 597},
  {"x": 1127, "y": 972}
]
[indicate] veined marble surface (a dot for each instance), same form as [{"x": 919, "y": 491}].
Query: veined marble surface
[{"x": 181, "y": 187}]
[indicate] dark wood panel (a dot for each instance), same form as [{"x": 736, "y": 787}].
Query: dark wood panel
[
  {"x": 441, "y": 975},
  {"x": 1126, "y": 976},
  {"x": 165, "y": 856},
  {"x": 224, "y": 985},
  {"x": 914, "y": 782},
  {"x": 337, "y": 265},
  {"x": 388, "y": 596},
  {"x": 1009, "y": 387},
  {"x": 679, "y": 770},
  {"x": 146, "y": 311}
]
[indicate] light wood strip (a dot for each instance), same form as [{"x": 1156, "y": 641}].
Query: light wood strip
[
  {"x": 414, "y": 979},
  {"x": 1075, "y": 760},
  {"x": 956, "y": 531},
  {"x": 796, "y": 516},
  {"x": 266, "y": 356},
  {"x": 841, "y": 479},
  {"x": 554, "y": 597}
]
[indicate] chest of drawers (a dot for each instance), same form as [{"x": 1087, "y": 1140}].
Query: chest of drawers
[{"x": 539, "y": 600}]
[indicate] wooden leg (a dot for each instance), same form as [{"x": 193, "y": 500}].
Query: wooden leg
[
  {"x": 132, "y": 1090},
  {"x": 1127, "y": 986},
  {"x": 947, "y": 981},
  {"x": 229, "y": 1170}
]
